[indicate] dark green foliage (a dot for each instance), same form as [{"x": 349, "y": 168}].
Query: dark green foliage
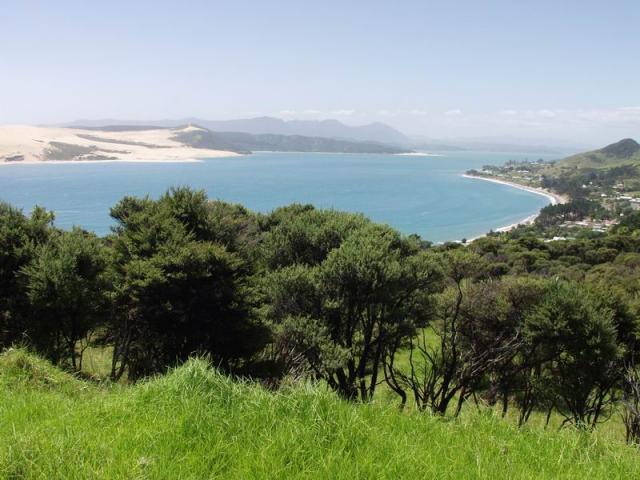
[
  {"x": 20, "y": 236},
  {"x": 67, "y": 293},
  {"x": 179, "y": 289},
  {"x": 341, "y": 293},
  {"x": 576, "y": 336},
  {"x": 571, "y": 211},
  {"x": 300, "y": 234},
  {"x": 628, "y": 224},
  {"x": 53, "y": 289}
]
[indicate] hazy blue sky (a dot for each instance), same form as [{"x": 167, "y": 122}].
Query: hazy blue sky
[{"x": 534, "y": 69}]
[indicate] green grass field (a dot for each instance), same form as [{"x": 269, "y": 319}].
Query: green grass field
[{"x": 196, "y": 423}]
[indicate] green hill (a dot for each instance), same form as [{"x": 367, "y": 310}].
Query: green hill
[
  {"x": 624, "y": 152},
  {"x": 196, "y": 423},
  {"x": 248, "y": 142}
]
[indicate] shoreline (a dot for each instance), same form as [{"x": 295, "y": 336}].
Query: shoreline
[
  {"x": 85, "y": 162},
  {"x": 554, "y": 199},
  {"x": 418, "y": 154}
]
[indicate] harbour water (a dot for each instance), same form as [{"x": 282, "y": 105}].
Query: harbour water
[{"x": 426, "y": 195}]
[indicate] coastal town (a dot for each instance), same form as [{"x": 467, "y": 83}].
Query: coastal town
[{"x": 584, "y": 201}]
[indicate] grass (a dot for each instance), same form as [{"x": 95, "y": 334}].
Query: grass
[
  {"x": 196, "y": 423},
  {"x": 96, "y": 361}
]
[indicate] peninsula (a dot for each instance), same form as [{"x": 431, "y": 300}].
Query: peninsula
[{"x": 31, "y": 144}]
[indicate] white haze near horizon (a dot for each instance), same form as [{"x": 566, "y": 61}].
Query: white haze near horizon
[{"x": 537, "y": 72}]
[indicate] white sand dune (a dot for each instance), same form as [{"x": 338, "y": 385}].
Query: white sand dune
[{"x": 28, "y": 144}]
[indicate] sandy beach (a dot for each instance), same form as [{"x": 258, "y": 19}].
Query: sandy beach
[
  {"x": 554, "y": 199},
  {"x": 418, "y": 154}
]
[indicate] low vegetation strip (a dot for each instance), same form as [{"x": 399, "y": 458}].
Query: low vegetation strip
[
  {"x": 95, "y": 138},
  {"x": 196, "y": 423}
]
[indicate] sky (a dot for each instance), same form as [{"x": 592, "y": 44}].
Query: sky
[{"x": 561, "y": 70}]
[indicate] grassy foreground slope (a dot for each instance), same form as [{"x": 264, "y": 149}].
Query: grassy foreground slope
[{"x": 196, "y": 423}]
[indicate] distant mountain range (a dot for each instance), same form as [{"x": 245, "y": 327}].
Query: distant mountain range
[
  {"x": 626, "y": 151},
  {"x": 374, "y": 132}
]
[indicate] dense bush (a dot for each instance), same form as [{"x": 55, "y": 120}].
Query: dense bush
[
  {"x": 179, "y": 288},
  {"x": 508, "y": 319}
]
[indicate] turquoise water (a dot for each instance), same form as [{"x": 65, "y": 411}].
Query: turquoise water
[{"x": 423, "y": 195}]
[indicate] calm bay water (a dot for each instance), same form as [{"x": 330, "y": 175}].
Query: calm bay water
[{"x": 423, "y": 195}]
